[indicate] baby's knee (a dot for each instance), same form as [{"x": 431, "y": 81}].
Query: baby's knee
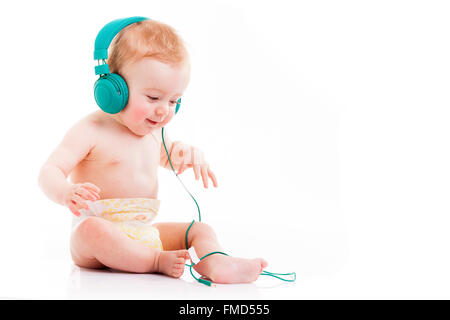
[
  {"x": 204, "y": 230},
  {"x": 91, "y": 228}
]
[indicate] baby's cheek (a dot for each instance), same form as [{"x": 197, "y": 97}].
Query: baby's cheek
[{"x": 139, "y": 113}]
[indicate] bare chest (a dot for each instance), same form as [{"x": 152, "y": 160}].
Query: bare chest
[{"x": 131, "y": 153}]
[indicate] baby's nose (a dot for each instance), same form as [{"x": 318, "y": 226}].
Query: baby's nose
[{"x": 162, "y": 110}]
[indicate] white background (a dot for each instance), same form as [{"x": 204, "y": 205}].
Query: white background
[{"x": 325, "y": 122}]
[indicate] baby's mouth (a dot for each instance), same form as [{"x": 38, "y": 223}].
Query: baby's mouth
[{"x": 153, "y": 123}]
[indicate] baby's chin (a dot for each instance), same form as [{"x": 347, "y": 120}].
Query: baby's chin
[{"x": 142, "y": 130}]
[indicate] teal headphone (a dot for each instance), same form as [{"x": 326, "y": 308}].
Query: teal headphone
[{"x": 111, "y": 90}]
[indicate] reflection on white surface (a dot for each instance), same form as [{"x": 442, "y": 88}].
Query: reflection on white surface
[
  {"x": 61, "y": 279},
  {"x": 110, "y": 284}
]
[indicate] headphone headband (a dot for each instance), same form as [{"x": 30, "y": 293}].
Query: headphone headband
[{"x": 107, "y": 34}]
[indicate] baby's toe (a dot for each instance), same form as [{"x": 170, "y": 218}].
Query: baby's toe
[
  {"x": 183, "y": 254},
  {"x": 177, "y": 271},
  {"x": 264, "y": 263},
  {"x": 180, "y": 261}
]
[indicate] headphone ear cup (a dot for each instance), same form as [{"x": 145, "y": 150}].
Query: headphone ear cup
[
  {"x": 178, "y": 105},
  {"x": 111, "y": 93}
]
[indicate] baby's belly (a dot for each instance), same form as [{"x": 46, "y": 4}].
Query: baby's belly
[{"x": 120, "y": 183}]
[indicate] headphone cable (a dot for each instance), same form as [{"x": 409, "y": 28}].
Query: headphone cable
[{"x": 204, "y": 281}]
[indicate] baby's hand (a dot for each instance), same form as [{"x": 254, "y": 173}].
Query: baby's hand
[
  {"x": 75, "y": 198},
  {"x": 190, "y": 157}
]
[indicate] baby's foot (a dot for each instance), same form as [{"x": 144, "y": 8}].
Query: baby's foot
[
  {"x": 171, "y": 263},
  {"x": 227, "y": 269}
]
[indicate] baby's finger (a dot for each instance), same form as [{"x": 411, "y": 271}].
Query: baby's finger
[
  {"x": 95, "y": 195},
  {"x": 181, "y": 167},
  {"x": 204, "y": 176},
  {"x": 91, "y": 186},
  {"x": 80, "y": 201},
  {"x": 197, "y": 171},
  {"x": 213, "y": 177},
  {"x": 85, "y": 194},
  {"x": 187, "y": 155},
  {"x": 196, "y": 163},
  {"x": 73, "y": 209}
]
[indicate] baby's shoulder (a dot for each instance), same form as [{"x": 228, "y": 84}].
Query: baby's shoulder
[
  {"x": 102, "y": 128},
  {"x": 85, "y": 125},
  {"x": 94, "y": 119},
  {"x": 90, "y": 130},
  {"x": 94, "y": 122},
  {"x": 87, "y": 129}
]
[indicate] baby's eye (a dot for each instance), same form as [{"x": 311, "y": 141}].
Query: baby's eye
[
  {"x": 173, "y": 102},
  {"x": 153, "y": 98}
]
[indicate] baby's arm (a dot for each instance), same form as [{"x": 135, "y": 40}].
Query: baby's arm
[
  {"x": 76, "y": 144},
  {"x": 184, "y": 156}
]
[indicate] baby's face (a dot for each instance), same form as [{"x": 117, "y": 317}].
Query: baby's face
[{"x": 154, "y": 88}]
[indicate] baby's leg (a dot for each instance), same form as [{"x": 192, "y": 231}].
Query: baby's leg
[
  {"x": 217, "y": 267},
  {"x": 96, "y": 243}
]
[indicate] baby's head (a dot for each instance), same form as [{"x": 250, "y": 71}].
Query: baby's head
[{"x": 154, "y": 62}]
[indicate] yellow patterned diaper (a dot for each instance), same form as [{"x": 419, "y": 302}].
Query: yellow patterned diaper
[{"x": 132, "y": 215}]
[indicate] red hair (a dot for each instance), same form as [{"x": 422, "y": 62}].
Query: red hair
[{"x": 147, "y": 38}]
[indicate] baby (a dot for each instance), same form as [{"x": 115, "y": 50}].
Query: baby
[{"x": 113, "y": 159}]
